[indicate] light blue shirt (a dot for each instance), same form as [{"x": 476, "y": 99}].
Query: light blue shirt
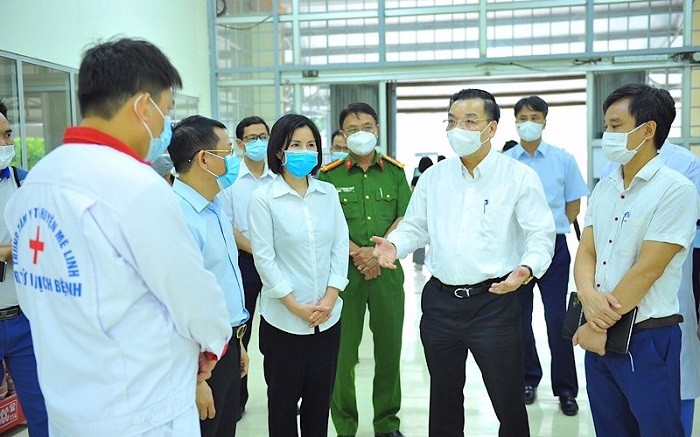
[
  {"x": 560, "y": 176},
  {"x": 213, "y": 233}
]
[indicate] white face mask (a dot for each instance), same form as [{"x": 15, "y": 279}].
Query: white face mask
[
  {"x": 529, "y": 130},
  {"x": 6, "y": 155},
  {"x": 362, "y": 143},
  {"x": 465, "y": 142},
  {"x": 615, "y": 146}
]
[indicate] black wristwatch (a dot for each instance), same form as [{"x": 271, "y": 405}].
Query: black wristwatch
[{"x": 529, "y": 278}]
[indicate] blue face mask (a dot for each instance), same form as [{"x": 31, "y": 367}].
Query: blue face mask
[
  {"x": 157, "y": 145},
  {"x": 256, "y": 150},
  {"x": 338, "y": 155},
  {"x": 229, "y": 177},
  {"x": 300, "y": 164}
]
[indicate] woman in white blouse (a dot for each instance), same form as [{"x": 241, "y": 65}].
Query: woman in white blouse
[{"x": 300, "y": 245}]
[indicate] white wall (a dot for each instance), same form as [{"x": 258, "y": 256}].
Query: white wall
[{"x": 59, "y": 31}]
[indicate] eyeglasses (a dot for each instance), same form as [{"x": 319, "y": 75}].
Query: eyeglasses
[
  {"x": 226, "y": 152},
  {"x": 251, "y": 138},
  {"x": 467, "y": 123},
  {"x": 351, "y": 130}
]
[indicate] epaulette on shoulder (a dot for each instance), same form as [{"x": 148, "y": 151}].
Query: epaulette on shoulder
[
  {"x": 393, "y": 161},
  {"x": 332, "y": 165}
]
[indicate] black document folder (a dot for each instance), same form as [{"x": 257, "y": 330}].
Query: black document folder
[{"x": 618, "y": 335}]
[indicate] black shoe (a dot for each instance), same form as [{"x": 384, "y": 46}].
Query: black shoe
[
  {"x": 396, "y": 433},
  {"x": 530, "y": 394},
  {"x": 568, "y": 405}
]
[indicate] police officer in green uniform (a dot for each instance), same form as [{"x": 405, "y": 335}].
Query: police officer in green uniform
[{"x": 374, "y": 194}]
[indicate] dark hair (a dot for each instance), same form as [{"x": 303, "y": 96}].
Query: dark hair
[
  {"x": 533, "y": 102},
  {"x": 3, "y": 108},
  {"x": 490, "y": 106},
  {"x": 335, "y": 134},
  {"x": 191, "y": 135},
  {"x": 441, "y": 158},
  {"x": 112, "y": 72},
  {"x": 509, "y": 145},
  {"x": 356, "y": 109},
  {"x": 647, "y": 103},
  {"x": 281, "y": 136},
  {"x": 249, "y": 121},
  {"x": 424, "y": 164}
]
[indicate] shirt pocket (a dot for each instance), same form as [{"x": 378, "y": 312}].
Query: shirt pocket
[
  {"x": 386, "y": 202},
  {"x": 629, "y": 236},
  {"x": 352, "y": 207}
]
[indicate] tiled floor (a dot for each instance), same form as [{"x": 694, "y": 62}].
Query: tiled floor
[{"x": 545, "y": 417}]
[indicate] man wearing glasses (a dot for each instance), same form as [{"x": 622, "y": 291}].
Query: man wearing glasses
[
  {"x": 203, "y": 157},
  {"x": 252, "y": 134},
  {"x": 374, "y": 194},
  {"x": 490, "y": 231}
]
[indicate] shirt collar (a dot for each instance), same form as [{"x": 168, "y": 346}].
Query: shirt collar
[
  {"x": 244, "y": 170},
  {"x": 191, "y": 196},
  {"x": 280, "y": 187},
  {"x": 541, "y": 150},
  {"x": 88, "y": 135},
  {"x": 484, "y": 167},
  {"x": 5, "y": 173},
  {"x": 646, "y": 172},
  {"x": 350, "y": 161},
  {"x": 650, "y": 168}
]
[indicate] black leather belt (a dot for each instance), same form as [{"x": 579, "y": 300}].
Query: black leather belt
[
  {"x": 9, "y": 313},
  {"x": 468, "y": 290},
  {"x": 659, "y": 322},
  {"x": 239, "y": 331}
]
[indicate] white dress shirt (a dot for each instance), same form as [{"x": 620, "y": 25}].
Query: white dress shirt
[
  {"x": 300, "y": 246},
  {"x": 660, "y": 204},
  {"x": 236, "y": 198},
  {"x": 478, "y": 227},
  {"x": 114, "y": 287}
]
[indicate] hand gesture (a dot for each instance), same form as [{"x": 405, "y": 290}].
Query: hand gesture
[
  {"x": 512, "y": 282},
  {"x": 385, "y": 251}
]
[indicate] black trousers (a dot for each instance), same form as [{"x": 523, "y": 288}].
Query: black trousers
[
  {"x": 553, "y": 286},
  {"x": 225, "y": 383},
  {"x": 488, "y": 325},
  {"x": 252, "y": 286},
  {"x": 298, "y": 367}
]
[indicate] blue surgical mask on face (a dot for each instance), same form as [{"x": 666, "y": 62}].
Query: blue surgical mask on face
[
  {"x": 256, "y": 150},
  {"x": 300, "y": 163},
  {"x": 158, "y": 145},
  {"x": 338, "y": 155},
  {"x": 229, "y": 177}
]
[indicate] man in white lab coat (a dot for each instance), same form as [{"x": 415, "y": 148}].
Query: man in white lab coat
[{"x": 122, "y": 329}]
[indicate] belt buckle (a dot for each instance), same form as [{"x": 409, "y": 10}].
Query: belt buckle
[
  {"x": 240, "y": 331},
  {"x": 465, "y": 290}
]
